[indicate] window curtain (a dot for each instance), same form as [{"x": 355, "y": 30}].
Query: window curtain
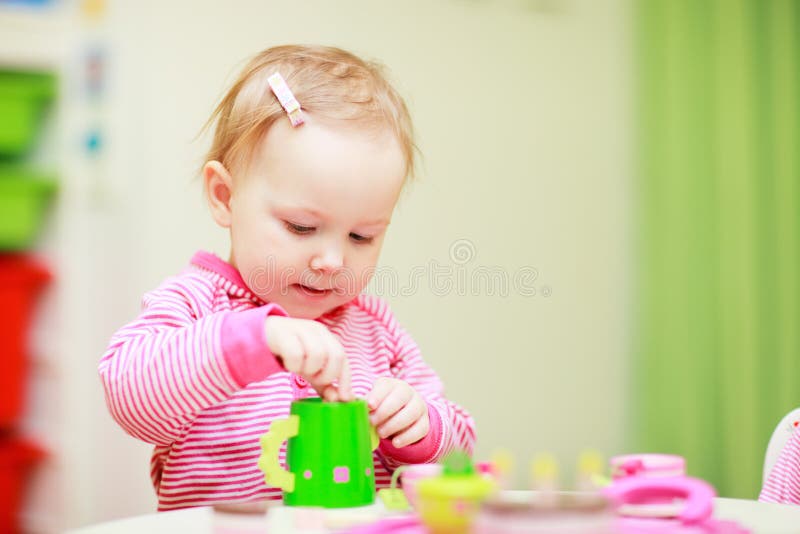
[{"x": 717, "y": 343}]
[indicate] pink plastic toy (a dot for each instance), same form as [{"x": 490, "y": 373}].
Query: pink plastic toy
[
  {"x": 666, "y": 504},
  {"x": 644, "y": 492},
  {"x": 650, "y": 465}
]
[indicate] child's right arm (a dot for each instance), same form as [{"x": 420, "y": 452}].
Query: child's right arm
[{"x": 180, "y": 357}]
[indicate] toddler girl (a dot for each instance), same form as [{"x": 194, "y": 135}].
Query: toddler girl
[{"x": 310, "y": 152}]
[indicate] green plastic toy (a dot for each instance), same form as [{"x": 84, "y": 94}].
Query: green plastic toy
[
  {"x": 393, "y": 497},
  {"x": 329, "y": 454}
]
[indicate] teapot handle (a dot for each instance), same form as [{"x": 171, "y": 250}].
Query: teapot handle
[
  {"x": 279, "y": 431},
  {"x": 374, "y": 440}
]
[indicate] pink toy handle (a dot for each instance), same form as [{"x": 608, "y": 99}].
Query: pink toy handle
[{"x": 698, "y": 494}]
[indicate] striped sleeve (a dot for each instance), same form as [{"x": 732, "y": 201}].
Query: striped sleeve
[
  {"x": 172, "y": 361},
  {"x": 783, "y": 483},
  {"x": 452, "y": 427}
]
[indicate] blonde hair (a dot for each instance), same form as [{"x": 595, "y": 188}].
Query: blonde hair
[{"x": 328, "y": 82}]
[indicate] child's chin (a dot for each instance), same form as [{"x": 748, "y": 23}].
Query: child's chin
[
  {"x": 303, "y": 305},
  {"x": 307, "y": 311},
  {"x": 306, "y": 314}
]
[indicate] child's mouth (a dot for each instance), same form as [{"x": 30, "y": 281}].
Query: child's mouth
[{"x": 312, "y": 291}]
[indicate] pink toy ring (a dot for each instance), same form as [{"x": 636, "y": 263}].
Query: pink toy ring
[{"x": 697, "y": 494}]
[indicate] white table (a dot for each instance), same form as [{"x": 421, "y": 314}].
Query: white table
[{"x": 761, "y": 518}]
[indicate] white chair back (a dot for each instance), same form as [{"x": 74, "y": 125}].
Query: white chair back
[{"x": 778, "y": 441}]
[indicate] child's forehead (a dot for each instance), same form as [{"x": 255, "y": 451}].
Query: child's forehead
[
  {"x": 333, "y": 156},
  {"x": 318, "y": 138},
  {"x": 325, "y": 171}
]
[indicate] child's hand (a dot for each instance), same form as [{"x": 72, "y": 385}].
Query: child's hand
[
  {"x": 398, "y": 411},
  {"x": 309, "y": 349}
]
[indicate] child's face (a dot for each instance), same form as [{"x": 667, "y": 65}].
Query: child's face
[{"x": 309, "y": 215}]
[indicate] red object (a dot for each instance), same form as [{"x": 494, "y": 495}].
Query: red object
[
  {"x": 17, "y": 459},
  {"x": 21, "y": 280}
]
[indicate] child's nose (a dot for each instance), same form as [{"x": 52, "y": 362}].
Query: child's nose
[{"x": 329, "y": 259}]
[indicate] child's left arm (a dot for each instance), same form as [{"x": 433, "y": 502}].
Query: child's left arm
[{"x": 415, "y": 421}]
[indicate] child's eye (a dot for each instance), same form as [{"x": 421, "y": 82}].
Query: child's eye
[
  {"x": 360, "y": 238},
  {"x": 299, "y": 228}
]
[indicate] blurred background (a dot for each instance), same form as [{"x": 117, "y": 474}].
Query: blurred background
[{"x": 601, "y": 249}]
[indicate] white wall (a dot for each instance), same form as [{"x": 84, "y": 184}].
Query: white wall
[{"x": 522, "y": 113}]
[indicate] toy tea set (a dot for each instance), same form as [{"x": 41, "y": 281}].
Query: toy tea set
[{"x": 647, "y": 493}]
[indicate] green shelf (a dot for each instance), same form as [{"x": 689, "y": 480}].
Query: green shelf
[
  {"x": 24, "y": 197},
  {"x": 23, "y": 98}
]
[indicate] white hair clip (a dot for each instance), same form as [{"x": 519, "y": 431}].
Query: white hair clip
[{"x": 286, "y": 98}]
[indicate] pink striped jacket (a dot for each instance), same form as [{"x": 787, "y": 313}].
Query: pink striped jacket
[
  {"x": 193, "y": 376},
  {"x": 783, "y": 482}
]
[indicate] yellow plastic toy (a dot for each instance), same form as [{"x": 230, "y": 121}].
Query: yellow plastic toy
[{"x": 449, "y": 503}]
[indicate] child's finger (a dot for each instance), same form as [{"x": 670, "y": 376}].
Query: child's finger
[
  {"x": 289, "y": 350},
  {"x": 329, "y": 373},
  {"x": 380, "y": 389},
  {"x": 330, "y": 394},
  {"x": 316, "y": 354},
  {"x": 412, "y": 434},
  {"x": 391, "y": 404},
  {"x": 403, "y": 419},
  {"x": 344, "y": 390},
  {"x": 335, "y": 360}
]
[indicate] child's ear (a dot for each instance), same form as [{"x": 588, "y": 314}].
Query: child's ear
[{"x": 218, "y": 187}]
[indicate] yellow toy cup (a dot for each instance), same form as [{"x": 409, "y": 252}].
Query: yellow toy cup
[{"x": 448, "y": 504}]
